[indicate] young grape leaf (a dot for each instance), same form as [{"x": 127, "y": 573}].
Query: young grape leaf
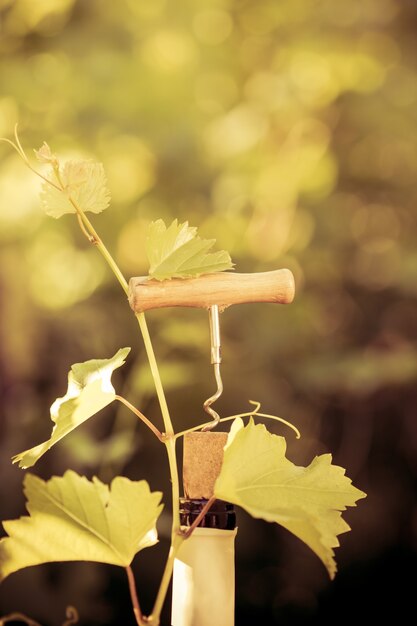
[
  {"x": 83, "y": 181},
  {"x": 307, "y": 501},
  {"x": 74, "y": 519},
  {"x": 177, "y": 252},
  {"x": 89, "y": 391},
  {"x": 45, "y": 155}
]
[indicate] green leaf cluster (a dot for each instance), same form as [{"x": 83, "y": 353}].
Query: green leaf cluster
[{"x": 177, "y": 252}]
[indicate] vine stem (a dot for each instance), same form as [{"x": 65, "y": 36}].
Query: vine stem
[
  {"x": 141, "y": 416},
  {"x": 166, "y": 578},
  {"x": 134, "y": 597},
  {"x": 169, "y": 437},
  {"x": 169, "y": 430},
  {"x": 96, "y": 240}
]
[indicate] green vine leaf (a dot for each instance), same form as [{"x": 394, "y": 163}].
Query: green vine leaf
[
  {"x": 307, "y": 501},
  {"x": 74, "y": 519},
  {"x": 177, "y": 252},
  {"x": 83, "y": 181},
  {"x": 89, "y": 391}
]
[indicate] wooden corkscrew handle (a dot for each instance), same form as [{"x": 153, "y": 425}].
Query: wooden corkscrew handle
[{"x": 222, "y": 289}]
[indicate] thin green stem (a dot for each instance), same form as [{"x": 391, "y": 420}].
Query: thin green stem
[
  {"x": 170, "y": 445},
  {"x": 96, "y": 240},
  {"x": 177, "y": 541},
  {"x": 84, "y": 230},
  {"x": 169, "y": 430},
  {"x": 141, "y": 416},
  {"x": 169, "y": 436},
  {"x": 134, "y": 597},
  {"x": 176, "y": 537},
  {"x": 154, "y": 618},
  {"x": 169, "y": 440},
  {"x": 200, "y": 426}
]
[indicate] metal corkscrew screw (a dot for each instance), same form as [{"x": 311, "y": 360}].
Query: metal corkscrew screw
[{"x": 216, "y": 359}]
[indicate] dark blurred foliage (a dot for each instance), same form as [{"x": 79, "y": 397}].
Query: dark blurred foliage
[{"x": 287, "y": 130}]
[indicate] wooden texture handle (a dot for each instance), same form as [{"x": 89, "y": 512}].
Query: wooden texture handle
[{"x": 222, "y": 288}]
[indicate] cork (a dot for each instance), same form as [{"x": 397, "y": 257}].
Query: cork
[{"x": 203, "y": 458}]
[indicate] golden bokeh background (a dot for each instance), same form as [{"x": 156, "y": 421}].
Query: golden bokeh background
[{"x": 287, "y": 130}]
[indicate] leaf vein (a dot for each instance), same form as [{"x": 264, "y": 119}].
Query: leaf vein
[{"x": 60, "y": 505}]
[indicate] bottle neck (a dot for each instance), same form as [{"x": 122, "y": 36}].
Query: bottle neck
[{"x": 221, "y": 514}]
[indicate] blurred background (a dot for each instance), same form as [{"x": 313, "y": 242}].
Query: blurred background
[{"x": 287, "y": 130}]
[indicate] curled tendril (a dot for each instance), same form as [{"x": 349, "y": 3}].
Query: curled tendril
[
  {"x": 272, "y": 417},
  {"x": 16, "y": 145},
  {"x": 253, "y": 413},
  {"x": 72, "y": 616},
  {"x": 18, "y": 617}
]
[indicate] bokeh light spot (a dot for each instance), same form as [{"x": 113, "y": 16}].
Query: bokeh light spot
[
  {"x": 169, "y": 51},
  {"x": 312, "y": 76},
  {"x": 237, "y": 131},
  {"x": 131, "y": 247},
  {"x": 60, "y": 274},
  {"x": 212, "y": 26},
  {"x": 20, "y": 209},
  {"x": 8, "y": 114},
  {"x": 215, "y": 92},
  {"x": 47, "y": 17},
  {"x": 130, "y": 167},
  {"x": 267, "y": 90}
]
